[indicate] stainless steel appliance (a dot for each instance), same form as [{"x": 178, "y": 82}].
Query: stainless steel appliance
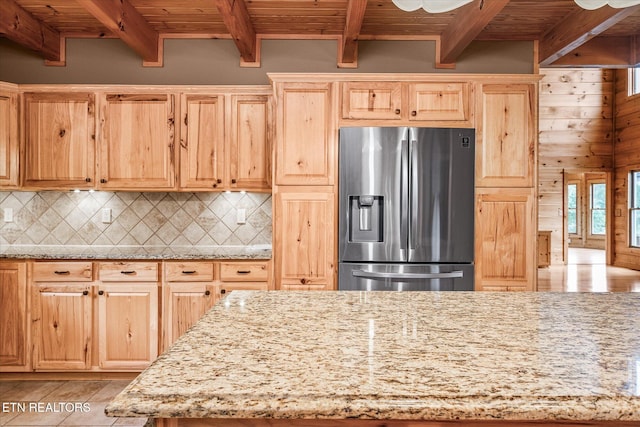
[{"x": 406, "y": 208}]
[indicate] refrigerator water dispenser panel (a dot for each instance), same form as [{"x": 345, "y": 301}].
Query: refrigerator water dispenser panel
[{"x": 366, "y": 214}]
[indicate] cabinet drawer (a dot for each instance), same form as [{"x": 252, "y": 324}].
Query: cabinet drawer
[
  {"x": 225, "y": 288},
  {"x": 62, "y": 272},
  {"x": 244, "y": 272},
  {"x": 129, "y": 271},
  {"x": 189, "y": 271}
]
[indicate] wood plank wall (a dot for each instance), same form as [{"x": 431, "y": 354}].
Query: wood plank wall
[
  {"x": 627, "y": 157},
  {"x": 575, "y": 135}
]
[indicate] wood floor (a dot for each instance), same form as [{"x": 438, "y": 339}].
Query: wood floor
[
  {"x": 70, "y": 403},
  {"x": 586, "y": 271}
]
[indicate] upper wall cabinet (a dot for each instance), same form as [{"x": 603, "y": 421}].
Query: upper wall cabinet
[
  {"x": 408, "y": 102},
  {"x": 506, "y": 135},
  {"x": 9, "y": 147},
  {"x": 202, "y": 142},
  {"x": 305, "y": 134},
  {"x": 225, "y": 142},
  {"x": 137, "y": 150},
  {"x": 59, "y": 140},
  {"x": 250, "y": 147}
]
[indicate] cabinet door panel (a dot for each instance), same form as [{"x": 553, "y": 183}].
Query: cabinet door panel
[
  {"x": 250, "y": 147},
  {"x": 505, "y": 239},
  {"x": 202, "y": 142},
  {"x": 372, "y": 100},
  {"x": 127, "y": 325},
  {"x": 13, "y": 317},
  {"x": 62, "y": 317},
  {"x": 505, "y": 147},
  {"x": 305, "y": 135},
  {"x": 304, "y": 237},
  {"x": 59, "y": 140},
  {"x": 138, "y": 146},
  {"x": 9, "y": 150},
  {"x": 439, "y": 101},
  {"x": 185, "y": 304}
]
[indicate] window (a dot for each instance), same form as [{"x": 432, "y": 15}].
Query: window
[
  {"x": 634, "y": 81},
  {"x": 634, "y": 208},
  {"x": 572, "y": 208},
  {"x": 598, "y": 203}
]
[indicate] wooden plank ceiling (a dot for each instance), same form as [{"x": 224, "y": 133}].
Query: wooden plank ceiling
[{"x": 567, "y": 34}]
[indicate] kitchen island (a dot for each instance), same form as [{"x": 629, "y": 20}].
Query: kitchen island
[{"x": 411, "y": 358}]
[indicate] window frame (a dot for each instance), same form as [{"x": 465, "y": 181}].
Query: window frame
[
  {"x": 633, "y": 79},
  {"x": 591, "y": 209},
  {"x": 578, "y": 186},
  {"x": 631, "y": 207}
]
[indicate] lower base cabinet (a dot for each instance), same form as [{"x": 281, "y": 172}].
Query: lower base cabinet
[
  {"x": 62, "y": 314},
  {"x": 505, "y": 222},
  {"x": 14, "y": 327},
  {"x": 127, "y": 325}
]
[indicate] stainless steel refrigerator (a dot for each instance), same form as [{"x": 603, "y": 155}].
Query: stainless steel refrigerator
[{"x": 406, "y": 209}]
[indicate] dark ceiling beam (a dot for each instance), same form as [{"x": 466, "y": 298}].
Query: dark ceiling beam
[
  {"x": 601, "y": 52},
  {"x": 578, "y": 28},
  {"x": 21, "y": 27},
  {"x": 237, "y": 20},
  {"x": 125, "y": 22},
  {"x": 352, "y": 27},
  {"x": 469, "y": 21}
]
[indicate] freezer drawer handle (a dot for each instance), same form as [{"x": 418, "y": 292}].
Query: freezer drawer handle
[{"x": 374, "y": 275}]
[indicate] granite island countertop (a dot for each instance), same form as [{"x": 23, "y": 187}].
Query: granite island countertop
[
  {"x": 400, "y": 355},
  {"x": 134, "y": 252}
]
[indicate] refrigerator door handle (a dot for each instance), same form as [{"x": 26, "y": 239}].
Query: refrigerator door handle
[
  {"x": 381, "y": 276},
  {"x": 404, "y": 194}
]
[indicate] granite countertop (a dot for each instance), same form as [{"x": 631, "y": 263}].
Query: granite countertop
[
  {"x": 134, "y": 252},
  {"x": 402, "y": 355}
]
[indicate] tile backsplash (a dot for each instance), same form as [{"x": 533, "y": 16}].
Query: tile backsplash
[{"x": 137, "y": 218}]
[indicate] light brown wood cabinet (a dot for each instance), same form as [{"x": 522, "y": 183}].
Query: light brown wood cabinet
[
  {"x": 59, "y": 140},
  {"x": 202, "y": 142},
  {"x": 250, "y": 147},
  {"x": 137, "y": 150},
  {"x": 505, "y": 251},
  {"x": 9, "y": 146},
  {"x": 425, "y": 103},
  {"x": 306, "y": 134},
  {"x": 304, "y": 238},
  {"x": 62, "y": 315},
  {"x": 225, "y": 142},
  {"x": 14, "y": 333},
  {"x": 189, "y": 291},
  {"x": 506, "y": 135},
  {"x": 127, "y": 315}
]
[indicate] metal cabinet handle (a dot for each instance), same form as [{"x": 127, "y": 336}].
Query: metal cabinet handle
[
  {"x": 223, "y": 291},
  {"x": 397, "y": 111},
  {"x": 207, "y": 293},
  {"x": 243, "y": 271},
  {"x": 189, "y": 271},
  {"x": 87, "y": 179},
  {"x": 128, "y": 272},
  {"x": 103, "y": 181},
  {"x": 85, "y": 292},
  {"x": 414, "y": 113},
  {"x": 219, "y": 181},
  {"x": 100, "y": 292},
  {"x": 62, "y": 272},
  {"x": 233, "y": 181}
]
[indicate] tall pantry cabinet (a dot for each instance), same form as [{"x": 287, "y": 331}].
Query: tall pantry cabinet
[
  {"x": 304, "y": 186},
  {"x": 506, "y": 157}
]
